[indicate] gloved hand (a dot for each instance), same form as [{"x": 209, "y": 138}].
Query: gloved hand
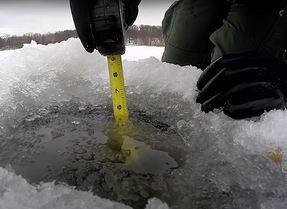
[
  {"x": 243, "y": 85},
  {"x": 82, "y": 12}
]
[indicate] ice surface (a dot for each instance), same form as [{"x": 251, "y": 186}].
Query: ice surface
[
  {"x": 56, "y": 116},
  {"x": 17, "y": 193}
]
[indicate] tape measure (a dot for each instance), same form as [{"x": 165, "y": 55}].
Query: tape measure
[{"x": 118, "y": 88}]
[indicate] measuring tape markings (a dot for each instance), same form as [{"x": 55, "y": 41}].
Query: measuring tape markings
[
  {"x": 120, "y": 108},
  {"x": 118, "y": 88}
]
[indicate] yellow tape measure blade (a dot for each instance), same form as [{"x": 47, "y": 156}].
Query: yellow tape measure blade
[{"x": 118, "y": 88}]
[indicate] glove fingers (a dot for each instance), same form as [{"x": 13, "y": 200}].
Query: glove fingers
[
  {"x": 131, "y": 11},
  {"x": 241, "y": 92},
  {"x": 80, "y": 12},
  {"x": 228, "y": 61},
  {"x": 243, "y": 85},
  {"x": 274, "y": 100},
  {"x": 227, "y": 79},
  {"x": 251, "y": 66}
]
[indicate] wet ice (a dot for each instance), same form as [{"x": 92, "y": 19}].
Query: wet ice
[{"x": 47, "y": 90}]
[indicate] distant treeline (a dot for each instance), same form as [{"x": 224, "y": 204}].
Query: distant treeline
[
  {"x": 136, "y": 35},
  {"x": 145, "y": 35},
  {"x": 16, "y": 42}
]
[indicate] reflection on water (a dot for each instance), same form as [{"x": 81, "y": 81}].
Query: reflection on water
[
  {"x": 85, "y": 149},
  {"x": 136, "y": 155}
]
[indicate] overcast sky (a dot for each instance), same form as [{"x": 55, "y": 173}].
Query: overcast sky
[{"x": 41, "y": 16}]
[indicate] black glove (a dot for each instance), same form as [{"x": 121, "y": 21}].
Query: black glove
[
  {"x": 82, "y": 12},
  {"x": 243, "y": 85}
]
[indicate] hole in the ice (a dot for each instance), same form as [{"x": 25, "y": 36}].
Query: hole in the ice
[{"x": 119, "y": 164}]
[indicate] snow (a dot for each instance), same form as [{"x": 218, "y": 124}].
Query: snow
[
  {"x": 55, "y": 109},
  {"x": 135, "y": 53},
  {"x": 5, "y": 54}
]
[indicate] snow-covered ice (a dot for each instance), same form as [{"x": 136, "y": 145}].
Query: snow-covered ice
[{"x": 57, "y": 148}]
